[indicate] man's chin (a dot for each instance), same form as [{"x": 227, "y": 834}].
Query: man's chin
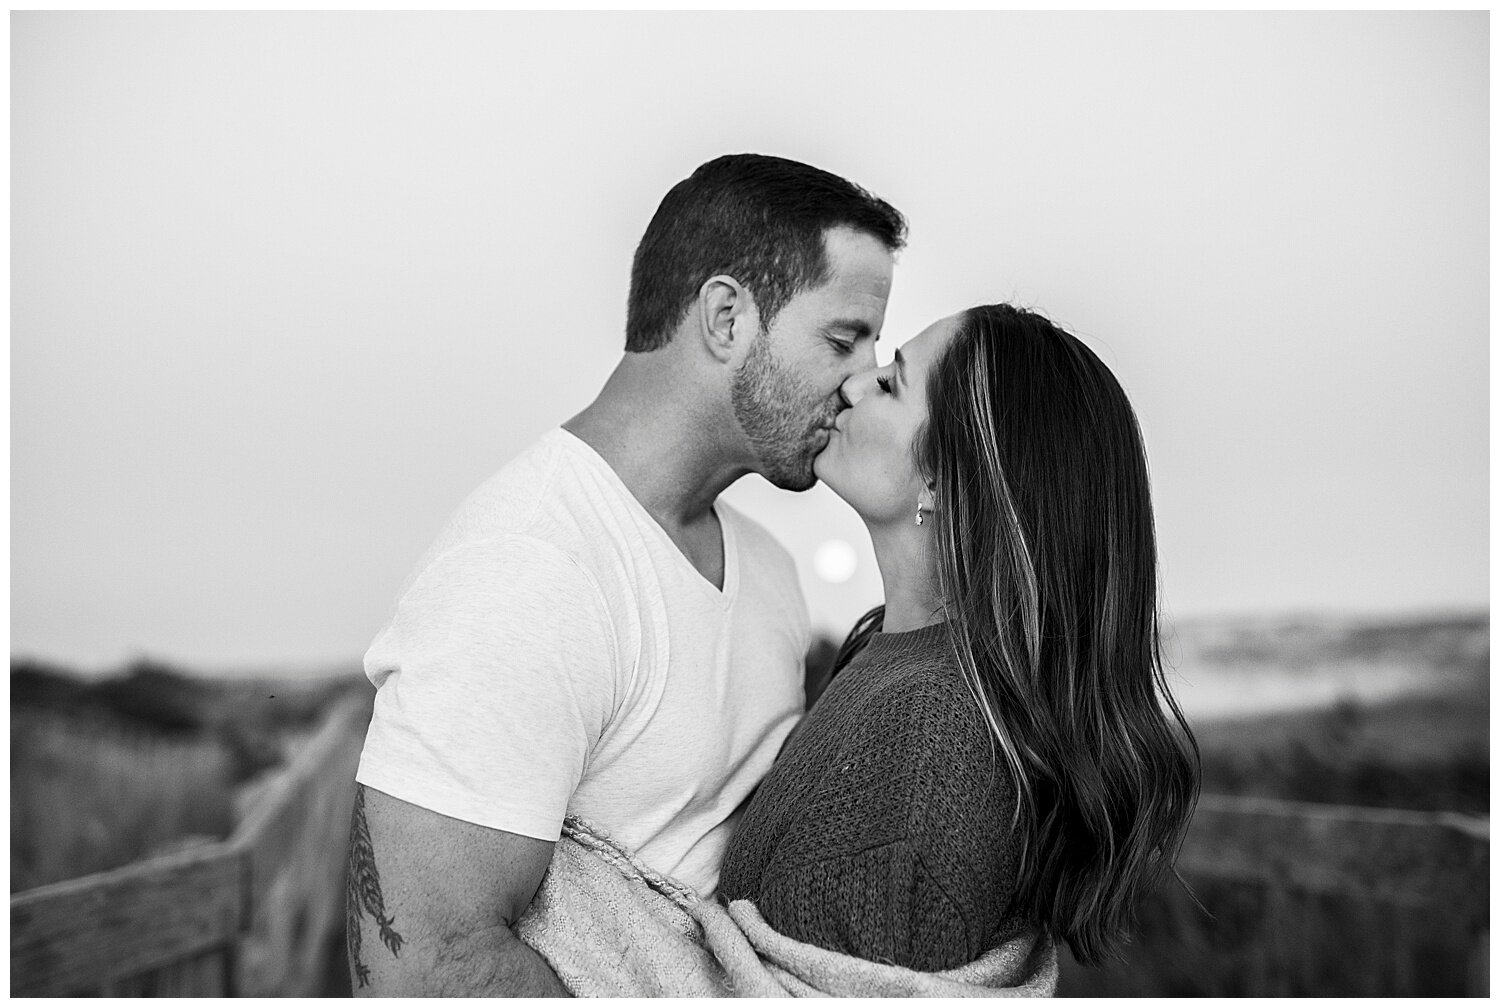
[
  {"x": 797, "y": 483},
  {"x": 794, "y": 479}
]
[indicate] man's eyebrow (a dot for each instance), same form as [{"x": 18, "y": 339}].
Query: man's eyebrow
[{"x": 900, "y": 366}]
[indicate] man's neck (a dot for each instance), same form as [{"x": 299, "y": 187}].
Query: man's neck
[{"x": 666, "y": 449}]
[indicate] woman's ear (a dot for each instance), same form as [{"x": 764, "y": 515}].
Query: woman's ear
[{"x": 927, "y": 498}]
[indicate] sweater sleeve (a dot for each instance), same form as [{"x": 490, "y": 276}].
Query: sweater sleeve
[
  {"x": 880, "y": 904},
  {"x": 903, "y": 851}
]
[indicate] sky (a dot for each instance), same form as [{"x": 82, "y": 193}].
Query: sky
[{"x": 286, "y": 287}]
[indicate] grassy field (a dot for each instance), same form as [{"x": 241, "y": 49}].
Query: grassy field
[
  {"x": 89, "y": 794},
  {"x": 1428, "y": 753}
]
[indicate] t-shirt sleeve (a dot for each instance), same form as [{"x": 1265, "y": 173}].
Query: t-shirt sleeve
[{"x": 494, "y": 680}]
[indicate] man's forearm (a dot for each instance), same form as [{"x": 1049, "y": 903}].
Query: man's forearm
[
  {"x": 493, "y": 963},
  {"x": 430, "y": 900},
  {"x": 513, "y": 969}
]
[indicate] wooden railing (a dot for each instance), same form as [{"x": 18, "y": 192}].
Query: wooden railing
[{"x": 252, "y": 915}]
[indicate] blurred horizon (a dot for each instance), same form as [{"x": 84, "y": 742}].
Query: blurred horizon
[
  {"x": 1220, "y": 667},
  {"x": 286, "y": 287}
]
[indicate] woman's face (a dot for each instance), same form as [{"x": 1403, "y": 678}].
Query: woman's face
[{"x": 869, "y": 460}]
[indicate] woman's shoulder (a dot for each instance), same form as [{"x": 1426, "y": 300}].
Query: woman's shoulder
[
  {"x": 916, "y": 716},
  {"x": 909, "y": 686},
  {"x": 911, "y": 722}
]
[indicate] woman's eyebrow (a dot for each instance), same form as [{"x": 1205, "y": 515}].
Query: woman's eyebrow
[{"x": 900, "y": 366}]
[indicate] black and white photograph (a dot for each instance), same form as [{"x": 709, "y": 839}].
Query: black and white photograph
[{"x": 706, "y": 503}]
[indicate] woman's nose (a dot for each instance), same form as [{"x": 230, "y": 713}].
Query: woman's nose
[{"x": 856, "y": 385}]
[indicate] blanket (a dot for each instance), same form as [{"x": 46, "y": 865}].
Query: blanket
[{"x": 609, "y": 926}]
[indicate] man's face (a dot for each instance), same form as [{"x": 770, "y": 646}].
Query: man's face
[{"x": 786, "y": 393}]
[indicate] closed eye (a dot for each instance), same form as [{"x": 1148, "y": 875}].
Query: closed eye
[{"x": 884, "y": 382}]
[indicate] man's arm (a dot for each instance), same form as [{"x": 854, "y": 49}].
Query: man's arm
[{"x": 431, "y": 901}]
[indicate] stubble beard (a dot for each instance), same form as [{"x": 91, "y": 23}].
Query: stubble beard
[{"x": 772, "y": 407}]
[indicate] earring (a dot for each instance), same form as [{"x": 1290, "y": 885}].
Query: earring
[{"x": 919, "y": 514}]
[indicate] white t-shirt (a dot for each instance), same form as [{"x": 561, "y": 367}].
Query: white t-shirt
[{"x": 555, "y": 652}]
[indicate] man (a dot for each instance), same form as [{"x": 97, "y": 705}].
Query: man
[{"x": 593, "y": 633}]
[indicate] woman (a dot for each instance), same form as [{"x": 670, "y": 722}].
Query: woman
[{"x": 992, "y": 755}]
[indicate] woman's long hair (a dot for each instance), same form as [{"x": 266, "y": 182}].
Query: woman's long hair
[{"x": 1046, "y": 565}]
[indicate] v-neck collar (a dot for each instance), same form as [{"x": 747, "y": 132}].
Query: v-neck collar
[{"x": 728, "y": 541}]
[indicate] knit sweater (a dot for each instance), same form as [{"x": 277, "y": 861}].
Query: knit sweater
[{"x": 884, "y": 829}]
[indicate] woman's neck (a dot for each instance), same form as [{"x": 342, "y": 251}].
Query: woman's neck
[{"x": 909, "y": 575}]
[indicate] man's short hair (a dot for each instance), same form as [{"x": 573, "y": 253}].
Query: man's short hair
[{"x": 757, "y": 218}]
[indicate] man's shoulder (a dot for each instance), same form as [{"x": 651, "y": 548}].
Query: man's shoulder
[
  {"x": 515, "y": 524},
  {"x": 550, "y": 493},
  {"x": 511, "y": 499}
]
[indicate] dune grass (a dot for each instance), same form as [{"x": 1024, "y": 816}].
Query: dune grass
[
  {"x": 88, "y": 795},
  {"x": 108, "y": 771}
]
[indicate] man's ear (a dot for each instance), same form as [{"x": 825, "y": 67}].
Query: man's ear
[{"x": 728, "y": 318}]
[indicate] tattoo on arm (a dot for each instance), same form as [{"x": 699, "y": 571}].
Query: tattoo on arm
[{"x": 363, "y": 892}]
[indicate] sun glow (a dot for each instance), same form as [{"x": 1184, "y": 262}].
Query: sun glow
[{"x": 835, "y": 561}]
